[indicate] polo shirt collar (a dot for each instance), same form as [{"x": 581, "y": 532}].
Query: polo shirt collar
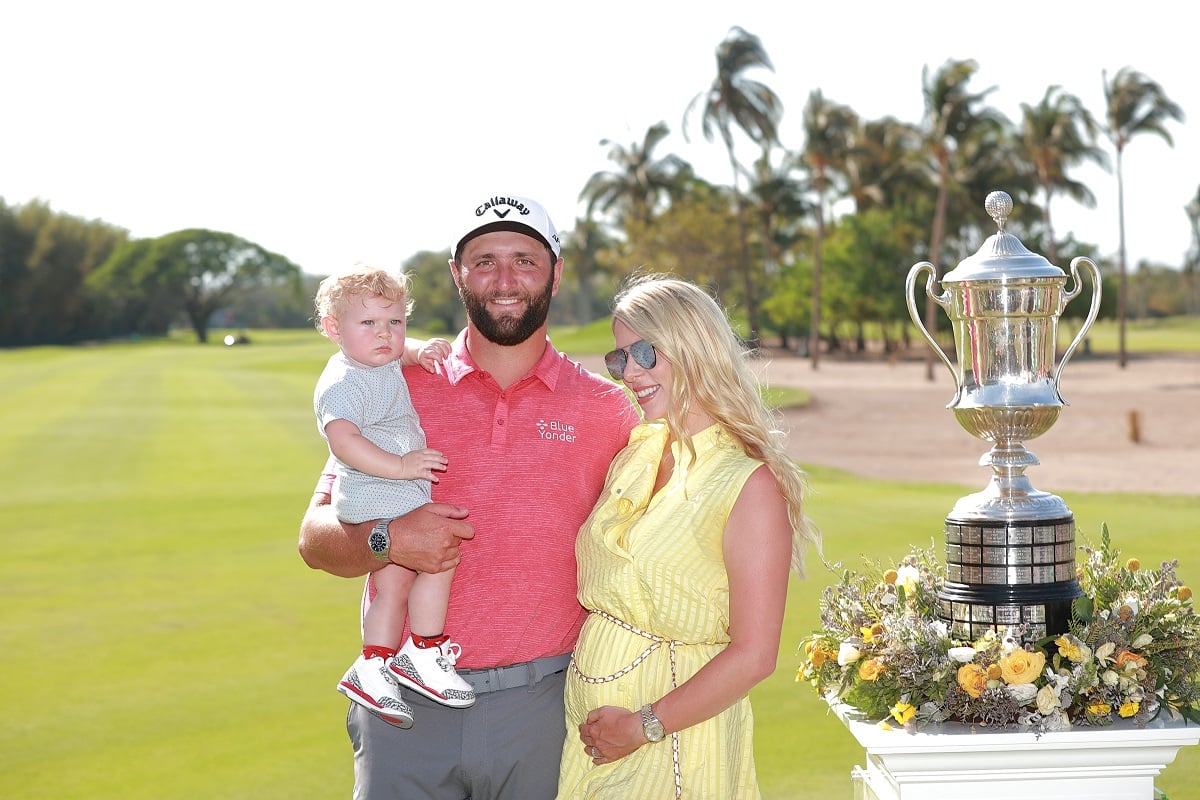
[{"x": 460, "y": 364}]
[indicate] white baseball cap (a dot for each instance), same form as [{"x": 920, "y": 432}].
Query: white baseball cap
[{"x": 509, "y": 213}]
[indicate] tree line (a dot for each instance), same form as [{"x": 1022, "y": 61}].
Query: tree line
[{"x": 810, "y": 244}]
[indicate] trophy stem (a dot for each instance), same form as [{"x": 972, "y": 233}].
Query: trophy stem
[{"x": 1008, "y": 455}]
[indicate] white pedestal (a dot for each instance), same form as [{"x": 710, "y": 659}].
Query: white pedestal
[{"x": 1118, "y": 762}]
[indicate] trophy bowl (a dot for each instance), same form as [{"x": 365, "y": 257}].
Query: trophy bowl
[{"x": 1006, "y": 424}]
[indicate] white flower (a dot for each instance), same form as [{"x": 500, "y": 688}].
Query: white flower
[
  {"x": 1104, "y": 653},
  {"x": 1047, "y": 700},
  {"x": 1058, "y": 722},
  {"x": 848, "y": 654},
  {"x": 1110, "y": 677},
  {"x": 1022, "y": 692},
  {"x": 963, "y": 655},
  {"x": 1143, "y": 640},
  {"x": 1131, "y": 601},
  {"x": 907, "y": 576},
  {"x": 939, "y": 627}
]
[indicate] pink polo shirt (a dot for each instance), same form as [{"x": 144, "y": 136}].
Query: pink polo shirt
[{"x": 528, "y": 463}]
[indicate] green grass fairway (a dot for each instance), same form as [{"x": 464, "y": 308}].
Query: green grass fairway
[{"x": 161, "y": 638}]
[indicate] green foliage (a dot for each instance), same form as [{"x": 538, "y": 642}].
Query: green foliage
[
  {"x": 436, "y": 306},
  {"x": 192, "y": 272},
  {"x": 695, "y": 238},
  {"x": 45, "y": 258}
]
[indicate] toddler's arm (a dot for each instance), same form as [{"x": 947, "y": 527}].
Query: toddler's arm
[{"x": 351, "y": 447}]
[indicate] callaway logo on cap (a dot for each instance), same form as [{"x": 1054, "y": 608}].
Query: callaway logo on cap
[{"x": 509, "y": 213}]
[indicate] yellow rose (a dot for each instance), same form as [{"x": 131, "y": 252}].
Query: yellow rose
[
  {"x": 972, "y": 678},
  {"x": 871, "y": 669},
  {"x": 1022, "y": 666}
]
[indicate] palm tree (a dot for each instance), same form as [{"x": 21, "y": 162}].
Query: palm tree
[
  {"x": 952, "y": 116},
  {"x": 641, "y": 183},
  {"x": 1191, "y": 263},
  {"x": 1133, "y": 104},
  {"x": 883, "y": 169},
  {"x": 828, "y": 136},
  {"x": 1057, "y": 134},
  {"x": 778, "y": 198},
  {"x": 735, "y": 99}
]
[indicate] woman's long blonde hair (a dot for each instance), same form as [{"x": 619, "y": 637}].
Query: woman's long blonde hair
[{"x": 711, "y": 372}]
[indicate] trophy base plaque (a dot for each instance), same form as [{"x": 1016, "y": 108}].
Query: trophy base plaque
[{"x": 1016, "y": 577}]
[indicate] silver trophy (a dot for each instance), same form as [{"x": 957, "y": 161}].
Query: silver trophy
[{"x": 1010, "y": 549}]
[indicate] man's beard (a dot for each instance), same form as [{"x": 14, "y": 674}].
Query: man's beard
[{"x": 508, "y": 330}]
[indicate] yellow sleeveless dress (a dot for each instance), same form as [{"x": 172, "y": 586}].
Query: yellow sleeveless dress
[{"x": 652, "y": 574}]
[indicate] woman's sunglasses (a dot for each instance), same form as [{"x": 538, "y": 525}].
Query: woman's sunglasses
[{"x": 642, "y": 352}]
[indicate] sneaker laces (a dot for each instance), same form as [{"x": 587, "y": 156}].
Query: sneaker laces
[{"x": 450, "y": 653}]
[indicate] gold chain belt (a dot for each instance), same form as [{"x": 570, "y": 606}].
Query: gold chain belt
[{"x": 655, "y": 643}]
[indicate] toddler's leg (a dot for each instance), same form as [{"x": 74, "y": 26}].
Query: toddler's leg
[
  {"x": 426, "y": 661},
  {"x": 369, "y": 682}
]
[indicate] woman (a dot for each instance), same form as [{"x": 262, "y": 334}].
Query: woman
[{"x": 683, "y": 563}]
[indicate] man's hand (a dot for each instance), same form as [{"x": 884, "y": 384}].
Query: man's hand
[{"x": 425, "y": 539}]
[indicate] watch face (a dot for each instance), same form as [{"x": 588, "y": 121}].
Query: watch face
[
  {"x": 651, "y": 727},
  {"x": 378, "y": 543}
]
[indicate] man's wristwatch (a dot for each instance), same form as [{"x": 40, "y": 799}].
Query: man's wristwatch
[
  {"x": 380, "y": 541},
  {"x": 651, "y": 727}
]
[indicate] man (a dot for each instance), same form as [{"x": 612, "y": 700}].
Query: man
[{"x": 528, "y": 436}]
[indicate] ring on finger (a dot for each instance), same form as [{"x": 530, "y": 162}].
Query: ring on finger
[{"x": 595, "y": 752}]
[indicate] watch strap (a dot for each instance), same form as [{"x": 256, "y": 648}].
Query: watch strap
[{"x": 652, "y": 726}]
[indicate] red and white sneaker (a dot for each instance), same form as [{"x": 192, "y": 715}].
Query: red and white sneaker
[
  {"x": 430, "y": 671},
  {"x": 369, "y": 684}
]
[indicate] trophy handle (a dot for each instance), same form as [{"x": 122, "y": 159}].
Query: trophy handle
[
  {"x": 942, "y": 300},
  {"x": 1077, "y": 285}
]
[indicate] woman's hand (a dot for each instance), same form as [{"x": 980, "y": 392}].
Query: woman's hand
[{"x": 610, "y": 733}]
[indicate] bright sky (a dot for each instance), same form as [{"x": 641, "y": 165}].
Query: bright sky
[{"x": 337, "y": 132}]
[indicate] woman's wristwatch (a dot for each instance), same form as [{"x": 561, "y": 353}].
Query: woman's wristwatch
[{"x": 651, "y": 727}]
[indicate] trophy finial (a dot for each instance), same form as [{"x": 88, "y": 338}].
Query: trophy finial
[{"x": 998, "y": 206}]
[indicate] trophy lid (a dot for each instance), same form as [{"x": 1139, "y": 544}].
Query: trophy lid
[{"x": 1002, "y": 256}]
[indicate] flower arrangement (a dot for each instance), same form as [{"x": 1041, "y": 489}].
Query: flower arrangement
[{"x": 1132, "y": 651}]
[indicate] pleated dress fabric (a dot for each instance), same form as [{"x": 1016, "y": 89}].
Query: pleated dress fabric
[{"x": 652, "y": 574}]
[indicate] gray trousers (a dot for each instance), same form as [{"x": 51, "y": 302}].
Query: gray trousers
[{"x": 505, "y": 747}]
